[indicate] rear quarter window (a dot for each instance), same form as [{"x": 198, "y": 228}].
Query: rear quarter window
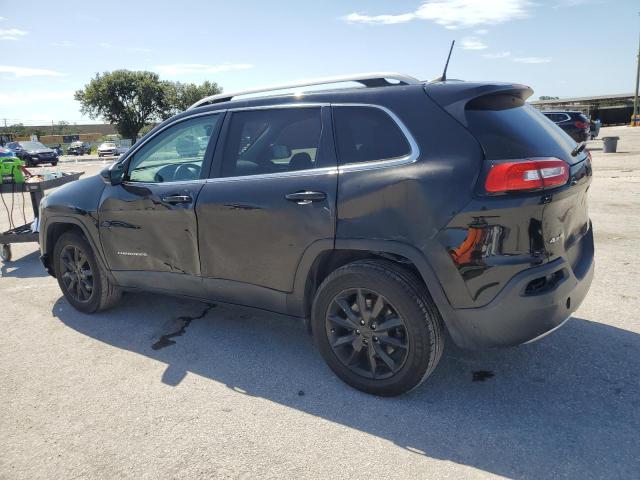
[
  {"x": 518, "y": 133},
  {"x": 367, "y": 134}
]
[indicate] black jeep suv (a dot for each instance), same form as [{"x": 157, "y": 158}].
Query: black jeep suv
[{"x": 382, "y": 215}]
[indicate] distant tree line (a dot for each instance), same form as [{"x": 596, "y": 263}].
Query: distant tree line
[
  {"x": 56, "y": 128},
  {"x": 133, "y": 101}
]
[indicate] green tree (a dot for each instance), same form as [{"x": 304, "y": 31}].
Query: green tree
[
  {"x": 146, "y": 129},
  {"x": 181, "y": 96},
  {"x": 127, "y": 99},
  {"x": 547, "y": 97}
]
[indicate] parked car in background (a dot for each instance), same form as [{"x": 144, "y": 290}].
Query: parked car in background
[
  {"x": 576, "y": 124},
  {"x": 33, "y": 153},
  {"x": 58, "y": 149},
  {"x": 6, "y": 153},
  {"x": 79, "y": 148},
  {"x": 107, "y": 149},
  {"x": 122, "y": 150},
  {"x": 381, "y": 215}
]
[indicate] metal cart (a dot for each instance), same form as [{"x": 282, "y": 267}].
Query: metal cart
[{"x": 36, "y": 190}]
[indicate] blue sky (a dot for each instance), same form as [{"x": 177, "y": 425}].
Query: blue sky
[{"x": 558, "y": 47}]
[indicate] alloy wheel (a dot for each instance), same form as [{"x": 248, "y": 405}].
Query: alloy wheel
[
  {"x": 366, "y": 333},
  {"x": 76, "y": 274}
]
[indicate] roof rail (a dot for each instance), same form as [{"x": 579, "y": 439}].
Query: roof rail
[{"x": 375, "y": 79}]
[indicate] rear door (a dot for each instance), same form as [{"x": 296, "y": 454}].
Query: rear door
[{"x": 271, "y": 196}]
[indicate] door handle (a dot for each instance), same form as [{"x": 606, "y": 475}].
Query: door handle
[
  {"x": 305, "y": 197},
  {"x": 174, "y": 199}
]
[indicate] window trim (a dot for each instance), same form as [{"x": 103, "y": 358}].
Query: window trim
[
  {"x": 129, "y": 155},
  {"x": 411, "y": 157}
]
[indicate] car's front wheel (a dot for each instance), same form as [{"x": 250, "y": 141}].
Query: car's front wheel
[
  {"x": 377, "y": 327},
  {"x": 82, "y": 279}
]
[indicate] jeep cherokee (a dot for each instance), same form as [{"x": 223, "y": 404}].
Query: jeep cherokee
[{"x": 381, "y": 215}]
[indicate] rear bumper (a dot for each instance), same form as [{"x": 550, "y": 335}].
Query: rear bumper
[{"x": 517, "y": 314}]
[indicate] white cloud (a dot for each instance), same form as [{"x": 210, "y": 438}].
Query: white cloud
[
  {"x": 497, "y": 55},
  {"x": 532, "y": 60},
  {"x": 378, "y": 19},
  {"x": 453, "y": 13},
  {"x": 139, "y": 49},
  {"x": 11, "y": 33},
  {"x": 481, "y": 31},
  {"x": 186, "y": 68},
  {"x": 1, "y": 18},
  {"x": 22, "y": 98},
  {"x": 63, "y": 43},
  {"x": 472, "y": 43},
  {"x": 104, "y": 45},
  {"x": 29, "y": 72}
]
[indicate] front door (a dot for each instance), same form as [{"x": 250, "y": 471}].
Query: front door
[
  {"x": 148, "y": 223},
  {"x": 272, "y": 196}
]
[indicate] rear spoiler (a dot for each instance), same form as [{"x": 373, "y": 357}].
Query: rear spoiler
[{"x": 456, "y": 97}]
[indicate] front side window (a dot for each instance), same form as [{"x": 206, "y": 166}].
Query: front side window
[
  {"x": 175, "y": 154},
  {"x": 272, "y": 141},
  {"x": 367, "y": 134}
]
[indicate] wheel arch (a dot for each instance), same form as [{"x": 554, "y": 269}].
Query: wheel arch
[
  {"x": 53, "y": 228},
  {"x": 318, "y": 263}
]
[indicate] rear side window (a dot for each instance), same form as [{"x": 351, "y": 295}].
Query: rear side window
[
  {"x": 518, "y": 133},
  {"x": 272, "y": 141},
  {"x": 367, "y": 134}
]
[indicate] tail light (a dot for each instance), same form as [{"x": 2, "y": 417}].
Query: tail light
[
  {"x": 523, "y": 175},
  {"x": 581, "y": 125}
]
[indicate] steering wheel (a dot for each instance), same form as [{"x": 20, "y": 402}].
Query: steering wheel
[{"x": 187, "y": 171}]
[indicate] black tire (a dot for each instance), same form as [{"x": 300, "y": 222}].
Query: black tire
[
  {"x": 103, "y": 293},
  {"x": 422, "y": 330},
  {"x": 53, "y": 164},
  {"x": 28, "y": 163}
]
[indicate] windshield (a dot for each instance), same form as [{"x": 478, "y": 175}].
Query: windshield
[{"x": 32, "y": 145}]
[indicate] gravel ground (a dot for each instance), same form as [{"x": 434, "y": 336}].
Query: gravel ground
[{"x": 244, "y": 394}]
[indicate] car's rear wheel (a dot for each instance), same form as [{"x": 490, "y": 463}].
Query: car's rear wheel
[
  {"x": 82, "y": 279},
  {"x": 377, "y": 327}
]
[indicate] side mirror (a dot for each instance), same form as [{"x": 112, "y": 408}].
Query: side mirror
[{"x": 114, "y": 175}]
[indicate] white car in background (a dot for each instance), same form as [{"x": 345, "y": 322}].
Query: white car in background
[{"x": 107, "y": 149}]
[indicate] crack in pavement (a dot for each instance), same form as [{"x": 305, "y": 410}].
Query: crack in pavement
[{"x": 183, "y": 322}]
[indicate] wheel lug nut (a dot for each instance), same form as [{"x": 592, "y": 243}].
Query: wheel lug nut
[
  {"x": 373, "y": 326},
  {"x": 365, "y": 341},
  {"x": 375, "y": 339},
  {"x": 333, "y": 330},
  {"x": 357, "y": 331},
  {"x": 361, "y": 322}
]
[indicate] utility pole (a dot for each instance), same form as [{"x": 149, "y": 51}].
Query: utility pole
[{"x": 635, "y": 121}]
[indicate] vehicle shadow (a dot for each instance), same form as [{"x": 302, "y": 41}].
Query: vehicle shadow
[
  {"x": 26, "y": 267},
  {"x": 566, "y": 406}
]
